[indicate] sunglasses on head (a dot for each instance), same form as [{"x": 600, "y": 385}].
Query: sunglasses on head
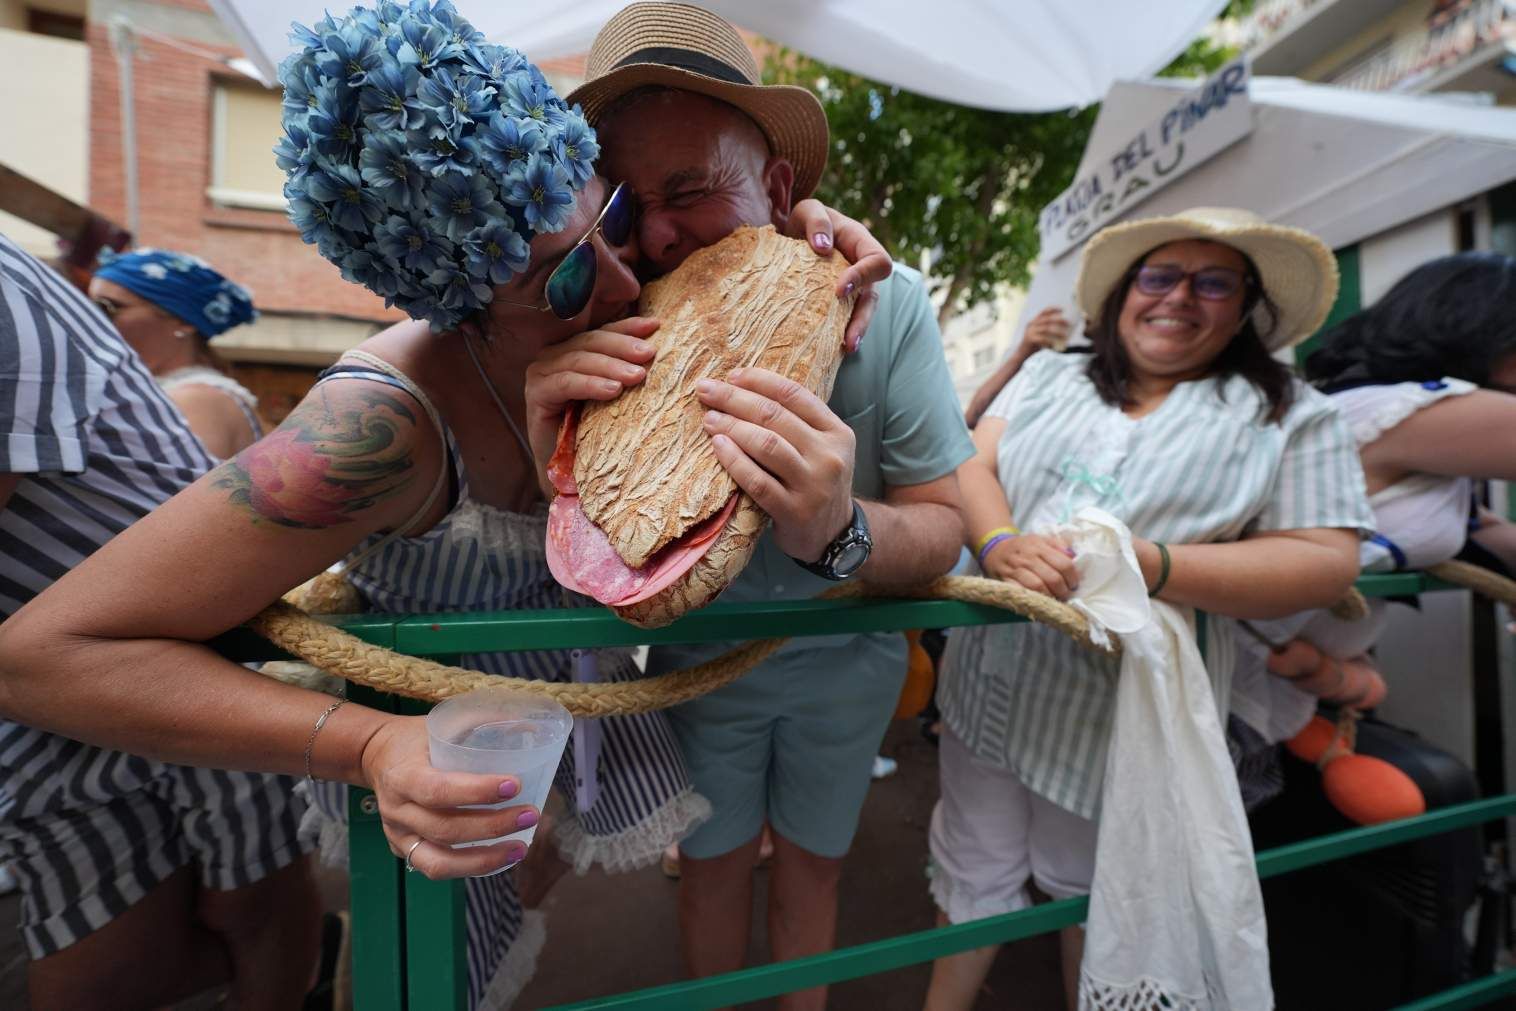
[
  {"x": 572, "y": 283},
  {"x": 1214, "y": 284}
]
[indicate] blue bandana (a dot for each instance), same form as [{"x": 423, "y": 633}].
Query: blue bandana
[
  {"x": 421, "y": 159},
  {"x": 183, "y": 285}
]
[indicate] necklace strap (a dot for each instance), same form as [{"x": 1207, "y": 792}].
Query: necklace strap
[{"x": 495, "y": 396}]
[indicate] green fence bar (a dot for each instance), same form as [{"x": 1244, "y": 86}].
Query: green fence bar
[
  {"x": 409, "y": 933},
  {"x": 1476, "y": 994},
  {"x": 923, "y": 946}
]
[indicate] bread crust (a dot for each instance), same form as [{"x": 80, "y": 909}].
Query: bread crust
[{"x": 643, "y": 463}]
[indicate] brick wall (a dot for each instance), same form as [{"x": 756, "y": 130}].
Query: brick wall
[{"x": 259, "y": 249}]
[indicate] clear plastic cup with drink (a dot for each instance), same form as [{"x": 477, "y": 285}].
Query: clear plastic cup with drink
[{"x": 501, "y": 731}]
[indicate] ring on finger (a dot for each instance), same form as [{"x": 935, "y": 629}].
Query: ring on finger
[{"x": 410, "y": 853}]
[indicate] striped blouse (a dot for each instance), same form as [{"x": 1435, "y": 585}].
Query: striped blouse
[{"x": 1204, "y": 467}]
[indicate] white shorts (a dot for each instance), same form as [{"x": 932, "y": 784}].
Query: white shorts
[{"x": 990, "y": 834}]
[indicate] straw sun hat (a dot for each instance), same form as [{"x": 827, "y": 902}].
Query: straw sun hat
[
  {"x": 1298, "y": 271},
  {"x": 691, "y": 49}
]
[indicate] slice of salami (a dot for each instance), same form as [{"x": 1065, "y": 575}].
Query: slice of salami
[{"x": 581, "y": 558}]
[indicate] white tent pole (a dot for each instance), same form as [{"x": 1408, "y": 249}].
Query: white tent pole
[{"x": 125, "y": 47}]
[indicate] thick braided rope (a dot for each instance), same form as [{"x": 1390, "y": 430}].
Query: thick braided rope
[
  {"x": 346, "y": 656},
  {"x": 1477, "y": 578}
]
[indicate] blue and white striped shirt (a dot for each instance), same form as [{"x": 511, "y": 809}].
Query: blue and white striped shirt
[{"x": 1204, "y": 467}]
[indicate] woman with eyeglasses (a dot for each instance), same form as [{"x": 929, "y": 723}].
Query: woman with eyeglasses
[
  {"x": 168, "y": 306},
  {"x": 462, "y": 189},
  {"x": 1242, "y": 490}
]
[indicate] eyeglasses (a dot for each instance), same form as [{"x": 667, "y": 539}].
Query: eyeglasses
[
  {"x": 1214, "y": 284},
  {"x": 572, "y": 283}
]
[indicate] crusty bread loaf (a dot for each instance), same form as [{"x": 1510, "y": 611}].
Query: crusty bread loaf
[{"x": 644, "y": 464}]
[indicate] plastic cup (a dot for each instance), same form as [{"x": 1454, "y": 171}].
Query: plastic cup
[{"x": 501, "y": 731}]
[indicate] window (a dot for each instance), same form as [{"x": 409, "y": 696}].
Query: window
[{"x": 245, "y": 128}]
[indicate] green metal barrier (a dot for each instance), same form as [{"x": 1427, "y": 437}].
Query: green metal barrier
[{"x": 408, "y": 932}]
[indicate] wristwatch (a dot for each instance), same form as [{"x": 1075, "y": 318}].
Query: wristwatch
[{"x": 845, "y": 555}]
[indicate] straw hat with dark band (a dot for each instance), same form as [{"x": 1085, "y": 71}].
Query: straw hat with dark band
[
  {"x": 685, "y": 47},
  {"x": 1297, "y": 270}
]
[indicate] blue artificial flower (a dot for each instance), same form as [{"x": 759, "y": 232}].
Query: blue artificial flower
[
  {"x": 294, "y": 153},
  {"x": 494, "y": 62},
  {"x": 424, "y": 44},
  {"x": 333, "y": 124},
  {"x": 351, "y": 53},
  {"x": 308, "y": 215},
  {"x": 459, "y": 30},
  {"x": 506, "y": 143},
  {"x": 526, "y": 97},
  {"x": 302, "y": 37},
  {"x": 462, "y": 293},
  {"x": 389, "y": 101},
  {"x": 543, "y": 192},
  {"x": 349, "y": 203},
  {"x": 387, "y": 166},
  {"x": 496, "y": 253},
  {"x": 412, "y": 244},
  {"x": 456, "y": 101},
  {"x": 300, "y": 77},
  {"x": 436, "y": 152},
  {"x": 363, "y": 267},
  {"x": 459, "y": 203},
  {"x": 576, "y": 149}
]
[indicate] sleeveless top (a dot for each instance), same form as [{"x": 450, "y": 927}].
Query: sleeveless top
[{"x": 202, "y": 375}]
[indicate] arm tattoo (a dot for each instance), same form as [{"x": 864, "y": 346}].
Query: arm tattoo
[{"x": 324, "y": 463}]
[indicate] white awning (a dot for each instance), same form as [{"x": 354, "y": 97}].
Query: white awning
[
  {"x": 1021, "y": 55},
  {"x": 1343, "y": 164}
]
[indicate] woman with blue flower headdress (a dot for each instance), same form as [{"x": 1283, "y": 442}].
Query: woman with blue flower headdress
[
  {"x": 442, "y": 173},
  {"x": 168, "y": 306}
]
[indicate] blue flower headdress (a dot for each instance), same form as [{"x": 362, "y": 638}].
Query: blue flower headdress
[{"x": 421, "y": 159}]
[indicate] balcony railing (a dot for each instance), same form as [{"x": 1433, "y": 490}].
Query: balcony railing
[{"x": 1447, "y": 40}]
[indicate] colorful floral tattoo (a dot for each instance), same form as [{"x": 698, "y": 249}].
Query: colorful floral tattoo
[{"x": 324, "y": 463}]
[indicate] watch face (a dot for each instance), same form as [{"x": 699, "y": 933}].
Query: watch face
[{"x": 851, "y": 558}]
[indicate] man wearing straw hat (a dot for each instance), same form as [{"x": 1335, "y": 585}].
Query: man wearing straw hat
[{"x": 860, "y": 486}]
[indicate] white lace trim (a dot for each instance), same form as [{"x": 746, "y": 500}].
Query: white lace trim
[
  {"x": 956, "y": 901},
  {"x": 639, "y": 846},
  {"x": 519, "y": 965},
  {"x": 499, "y": 531},
  {"x": 201, "y": 375},
  {"x": 1140, "y": 995},
  {"x": 1400, "y": 401}
]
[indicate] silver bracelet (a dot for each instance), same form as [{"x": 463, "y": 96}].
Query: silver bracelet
[{"x": 310, "y": 742}]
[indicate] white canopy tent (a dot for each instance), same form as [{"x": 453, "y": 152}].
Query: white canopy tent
[
  {"x": 1019, "y": 55},
  {"x": 1344, "y": 164}
]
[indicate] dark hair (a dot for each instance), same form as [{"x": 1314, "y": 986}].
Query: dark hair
[
  {"x": 1453, "y": 316},
  {"x": 1245, "y": 355}
]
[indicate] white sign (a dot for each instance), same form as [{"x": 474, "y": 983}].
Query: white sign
[{"x": 1201, "y": 124}]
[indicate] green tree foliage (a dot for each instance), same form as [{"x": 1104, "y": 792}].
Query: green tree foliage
[{"x": 957, "y": 188}]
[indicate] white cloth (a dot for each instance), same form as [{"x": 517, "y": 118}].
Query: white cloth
[{"x": 1176, "y": 913}]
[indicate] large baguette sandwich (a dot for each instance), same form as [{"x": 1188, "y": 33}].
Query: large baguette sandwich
[{"x": 646, "y": 520}]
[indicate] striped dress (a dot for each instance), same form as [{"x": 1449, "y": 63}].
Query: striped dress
[
  {"x": 481, "y": 558},
  {"x": 89, "y": 832},
  {"x": 1204, "y": 467}
]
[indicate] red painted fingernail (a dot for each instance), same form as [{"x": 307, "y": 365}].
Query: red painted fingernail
[
  {"x": 515, "y": 852},
  {"x": 526, "y": 819},
  {"x": 848, "y": 289},
  {"x": 509, "y": 788},
  {"x": 822, "y": 241},
  {"x": 1069, "y": 552}
]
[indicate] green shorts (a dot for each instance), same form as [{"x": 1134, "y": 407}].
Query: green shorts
[{"x": 791, "y": 742}]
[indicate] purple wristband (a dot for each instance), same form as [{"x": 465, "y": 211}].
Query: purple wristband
[{"x": 989, "y": 545}]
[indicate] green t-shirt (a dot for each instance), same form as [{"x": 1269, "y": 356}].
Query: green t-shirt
[{"x": 897, "y": 396}]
